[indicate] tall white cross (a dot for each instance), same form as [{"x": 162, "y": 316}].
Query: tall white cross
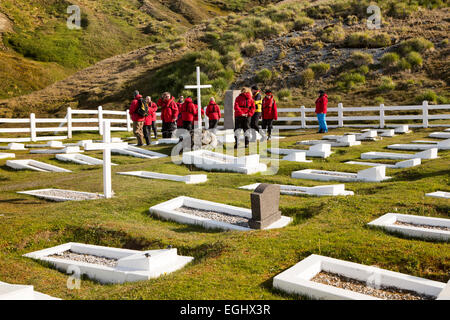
[
  {"x": 199, "y": 88},
  {"x": 106, "y": 146}
]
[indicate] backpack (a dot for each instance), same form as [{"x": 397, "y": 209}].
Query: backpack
[{"x": 142, "y": 108}]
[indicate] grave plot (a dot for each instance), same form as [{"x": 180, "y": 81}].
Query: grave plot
[
  {"x": 329, "y": 190},
  {"x": 296, "y": 157},
  {"x": 316, "y": 151},
  {"x": 398, "y": 165},
  {"x": 49, "y": 144},
  {"x": 34, "y": 165},
  {"x": 439, "y": 194},
  {"x": 442, "y": 145},
  {"x": 189, "y": 179},
  {"x": 427, "y": 154},
  {"x": 166, "y": 141},
  {"x": 14, "y": 147},
  {"x": 210, "y": 161},
  {"x": 60, "y": 195},
  {"x": 338, "y": 141},
  {"x": 368, "y": 135},
  {"x": 376, "y": 174},
  {"x": 80, "y": 159},
  {"x": 440, "y": 135},
  {"x": 66, "y": 150},
  {"x": 7, "y": 155},
  {"x": 325, "y": 278},
  {"x": 402, "y": 129},
  {"x": 81, "y": 143},
  {"x": 415, "y": 226},
  {"x": 112, "y": 265},
  {"x": 21, "y": 292},
  {"x": 386, "y": 132},
  {"x": 264, "y": 214},
  {"x": 138, "y": 152}
]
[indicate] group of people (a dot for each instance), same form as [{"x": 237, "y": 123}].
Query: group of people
[{"x": 249, "y": 108}]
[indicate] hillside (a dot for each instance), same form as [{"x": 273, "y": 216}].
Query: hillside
[{"x": 295, "y": 47}]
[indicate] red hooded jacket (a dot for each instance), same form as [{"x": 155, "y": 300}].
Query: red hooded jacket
[
  {"x": 269, "y": 108},
  {"x": 134, "y": 105},
  {"x": 322, "y": 104},
  {"x": 189, "y": 111},
  {"x": 169, "y": 110},
  {"x": 244, "y": 105},
  {"x": 152, "y": 108},
  {"x": 213, "y": 111}
]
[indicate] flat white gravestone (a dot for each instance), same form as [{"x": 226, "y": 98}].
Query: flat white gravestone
[
  {"x": 166, "y": 141},
  {"x": 50, "y": 144},
  {"x": 316, "y": 151},
  {"x": 376, "y": 174},
  {"x": 80, "y": 159},
  {"x": 382, "y": 132},
  {"x": 67, "y": 150},
  {"x": 330, "y": 190},
  {"x": 190, "y": 179},
  {"x": 442, "y": 145},
  {"x": 209, "y": 161},
  {"x": 7, "y": 155},
  {"x": 21, "y": 292},
  {"x": 81, "y": 143},
  {"x": 427, "y": 154},
  {"x": 338, "y": 141},
  {"x": 440, "y": 135},
  {"x": 112, "y": 265},
  {"x": 14, "y": 147},
  {"x": 210, "y": 215},
  {"x": 296, "y": 157},
  {"x": 59, "y": 195},
  {"x": 368, "y": 135},
  {"x": 402, "y": 129},
  {"x": 398, "y": 165},
  {"x": 415, "y": 226},
  {"x": 34, "y": 165},
  {"x": 325, "y": 278},
  {"x": 439, "y": 194},
  {"x": 137, "y": 152}
]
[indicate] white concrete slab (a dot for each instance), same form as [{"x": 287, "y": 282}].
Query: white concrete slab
[
  {"x": 442, "y": 145},
  {"x": 298, "y": 280},
  {"x": 417, "y": 226},
  {"x": 49, "y": 144},
  {"x": 60, "y": 195},
  {"x": 14, "y": 147},
  {"x": 132, "y": 265},
  {"x": 322, "y": 150},
  {"x": 167, "y": 211},
  {"x": 7, "y": 155},
  {"x": 427, "y": 154},
  {"x": 296, "y": 157},
  {"x": 189, "y": 179},
  {"x": 81, "y": 159},
  {"x": 138, "y": 153},
  {"x": 322, "y": 191},
  {"x": 376, "y": 174},
  {"x": 399, "y": 165},
  {"x": 402, "y": 129},
  {"x": 440, "y": 135},
  {"x": 66, "y": 150},
  {"x": 21, "y": 292},
  {"x": 34, "y": 165},
  {"x": 166, "y": 141},
  {"x": 439, "y": 194}
]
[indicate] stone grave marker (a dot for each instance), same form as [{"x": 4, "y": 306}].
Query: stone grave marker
[{"x": 265, "y": 206}]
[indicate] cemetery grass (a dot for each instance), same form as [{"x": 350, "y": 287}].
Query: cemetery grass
[{"x": 227, "y": 265}]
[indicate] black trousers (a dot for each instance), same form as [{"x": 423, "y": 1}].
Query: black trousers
[
  {"x": 244, "y": 124},
  {"x": 268, "y": 124},
  {"x": 188, "y": 125},
  {"x": 155, "y": 131},
  {"x": 148, "y": 134},
  {"x": 213, "y": 124},
  {"x": 254, "y": 124},
  {"x": 167, "y": 129}
]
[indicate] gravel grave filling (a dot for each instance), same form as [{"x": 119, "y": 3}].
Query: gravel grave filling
[
  {"x": 425, "y": 226},
  {"x": 214, "y": 215},
  {"x": 387, "y": 293},
  {"x": 67, "y": 194},
  {"x": 87, "y": 258}
]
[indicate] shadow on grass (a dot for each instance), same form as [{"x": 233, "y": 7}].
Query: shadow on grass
[
  {"x": 416, "y": 174},
  {"x": 20, "y": 201},
  {"x": 301, "y": 215}
]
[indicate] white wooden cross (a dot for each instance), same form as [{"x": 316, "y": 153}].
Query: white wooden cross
[
  {"x": 199, "y": 88},
  {"x": 106, "y": 146}
]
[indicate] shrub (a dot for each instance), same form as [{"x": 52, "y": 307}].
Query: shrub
[
  {"x": 320, "y": 12},
  {"x": 295, "y": 41},
  {"x": 414, "y": 59},
  {"x": 282, "y": 54},
  {"x": 253, "y": 48},
  {"x": 359, "y": 58},
  {"x": 320, "y": 68},
  {"x": 234, "y": 61},
  {"x": 264, "y": 76},
  {"x": 333, "y": 34},
  {"x": 389, "y": 60},
  {"x": 416, "y": 44},
  {"x": 363, "y": 70},
  {"x": 365, "y": 40},
  {"x": 386, "y": 84},
  {"x": 379, "y": 100},
  {"x": 401, "y": 10},
  {"x": 350, "y": 80},
  {"x": 307, "y": 76},
  {"x": 302, "y": 23},
  {"x": 403, "y": 65},
  {"x": 317, "y": 45},
  {"x": 284, "y": 94},
  {"x": 428, "y": 95}
]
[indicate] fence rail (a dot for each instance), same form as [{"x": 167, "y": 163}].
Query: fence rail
[{"x": 293, "y": 118}]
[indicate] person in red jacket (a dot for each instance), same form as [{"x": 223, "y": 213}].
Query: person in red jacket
[
  {"x": 269, "y": 113},
  {"x": 138, "y": 120},
  {"x": 152, "y": 109},
  {"x": 169, "y": 114},
  {"x": 148, "y": 122},
  {"x": 244, "y": 108},
  {"x": 179, "y": 120},
  {"x": 213, "y": 114},
  {"x": 189, "y": 112},
  {"x": 321, "y": 111}
]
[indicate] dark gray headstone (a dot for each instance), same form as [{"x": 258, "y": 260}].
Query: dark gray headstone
[
  {"x": 230, "y": 97},
  {"x": 265, "y": 206}
]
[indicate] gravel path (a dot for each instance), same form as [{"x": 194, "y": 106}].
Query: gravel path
[
  {"x": 342, "y": 282},
  {"x": 69, "y": 255},
  {"x": 71, "y": 195},
  {"x": 214, "y": 215},
  {"x": 425, "y": 226}
]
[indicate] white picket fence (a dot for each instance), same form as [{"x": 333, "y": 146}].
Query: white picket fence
[{"x": 303, "y": 118}]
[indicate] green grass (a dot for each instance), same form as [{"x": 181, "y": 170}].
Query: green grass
[{"x": 228, "y": 265}]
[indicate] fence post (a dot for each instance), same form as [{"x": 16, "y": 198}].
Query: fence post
[
  {"x": 382, "y": 116},
  {"x": 128, "y": 121},
  {"x": 100, "y": 120},
  {"x": 340, "y": 115},
  {"x": 303, "y": 116},
  {"x": 69, "y": 123},
  {"x": 33, "y": 127},
  {"x": 425, "y": 114}
]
